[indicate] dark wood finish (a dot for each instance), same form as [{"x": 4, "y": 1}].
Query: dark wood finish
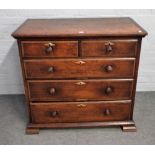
[
  {"x": 75, "y": 90},
  {"x": 136, "y": 75},
  {"x": 99, "y": 48},
  {"x": 83, "y": 27},
  {"x": 43, "y": 49},
  {"x": 80, "y": 72},
  {"x": 25, "y": 82},
  {"x": 79, "y": 68},
  {"x": 79, "y": 112}
]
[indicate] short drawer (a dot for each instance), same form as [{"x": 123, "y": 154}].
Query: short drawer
[
  {"x": 49, "y": 48},
  {"x": 74, "y": 90},
  {"x": 80, "y": 111},
  {"x": 83, "y": 68},
  {"x": 106, "y": 48}
]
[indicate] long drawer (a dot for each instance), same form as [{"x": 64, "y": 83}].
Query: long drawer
[
  {"x": 106, "y": 48},
  {"x": 56, "y": 112},
  {"x": 49, "y": 49},
  {"x": 74, "y": 90},
  {"x": 78, "y": 68}
]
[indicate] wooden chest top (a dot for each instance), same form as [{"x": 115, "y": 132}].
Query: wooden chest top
[{"x": 80, "y": 27}]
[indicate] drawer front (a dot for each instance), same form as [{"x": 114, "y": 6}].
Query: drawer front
[
  {"x": 50, "y": 69},
  {"x": 74, "y": 90},
  {"x": 79, "y": 112},
  {"x": 50, "y": 49},
  {"x": 112, "y": 48}
]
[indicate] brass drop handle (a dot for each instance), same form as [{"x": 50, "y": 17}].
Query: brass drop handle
[
  {"x": 51, "y": 69},
  {"x": 107, "y": 112},
  {"x": 109, "y": 47},
  {"x": 49, "y": 48},
  {"x": 54, "y": 113},
  {"x": 108, "y": 68},
  {"x": 108, "y": 90},
  {"x": 52, "y": 91}
]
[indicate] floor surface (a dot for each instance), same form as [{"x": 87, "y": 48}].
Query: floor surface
[{"x": 13, "y": 121}]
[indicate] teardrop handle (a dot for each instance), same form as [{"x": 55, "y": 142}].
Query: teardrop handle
[
  {"x": 108, "y": 90},
  {"x": 108, "y": 68},
  {"x": 52, "y": 91},
  {"x": 49, "y": 46},
  {"x": 51, "y": 69},
  {"x": 109, "y": 47},
  {"x": 107, "y": 112},
  {"x": 54, "y": 113}
]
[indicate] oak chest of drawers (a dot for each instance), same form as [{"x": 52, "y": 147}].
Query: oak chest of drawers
[{"x": 80, "y": 72}]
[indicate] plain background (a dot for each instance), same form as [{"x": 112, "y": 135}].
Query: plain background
[{"x": 10, "y": 72}]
